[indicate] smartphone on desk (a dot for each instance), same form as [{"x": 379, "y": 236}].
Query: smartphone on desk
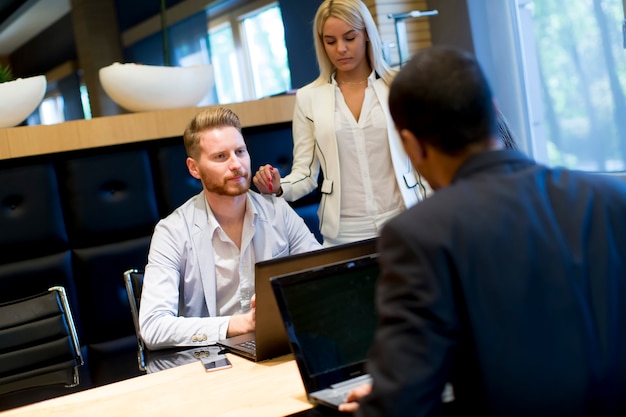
[{"x": 215, "y": 360}]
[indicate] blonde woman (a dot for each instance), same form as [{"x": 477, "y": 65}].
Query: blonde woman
[{"x": 341, "y": 125}]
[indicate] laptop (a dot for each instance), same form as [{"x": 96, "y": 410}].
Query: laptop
[
  {"x": 269, "y": 339},
  {"x": 330, "y": 316}
]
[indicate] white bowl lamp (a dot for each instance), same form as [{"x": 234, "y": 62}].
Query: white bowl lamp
[
  {"x": 19, "y": 98},
  {"x": 138, "y": 87}
]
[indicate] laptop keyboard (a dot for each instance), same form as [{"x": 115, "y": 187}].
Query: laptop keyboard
[
  {"x": 342, "y": 389},
  {"x": 337, "y": 393},
  {"x": 249, "y": 344}
]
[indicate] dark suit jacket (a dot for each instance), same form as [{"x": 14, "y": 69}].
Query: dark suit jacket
[{"x": 511, "y": 284}]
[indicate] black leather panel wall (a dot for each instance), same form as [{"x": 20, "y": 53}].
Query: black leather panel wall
[
  {"x": 101, "y": 291},
  {"x": 31, "y": 221},
  {"x": 108, "y": 197},
  {"x": 170, "y": 171}
]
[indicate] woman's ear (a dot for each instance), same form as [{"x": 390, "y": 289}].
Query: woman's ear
[{"x": 192, "y": 166}]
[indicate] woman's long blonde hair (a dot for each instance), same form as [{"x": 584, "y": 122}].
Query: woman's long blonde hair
[{"x": 356, "y": 14}]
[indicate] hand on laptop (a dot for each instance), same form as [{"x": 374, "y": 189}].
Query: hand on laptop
[
  {"x": 243, "y": 323},
  {"x": 352, "y": 400}
]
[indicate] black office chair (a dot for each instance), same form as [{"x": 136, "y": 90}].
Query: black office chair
[
  {"x": 133, "y": 280},
  {"x": 38, "y": 342}
]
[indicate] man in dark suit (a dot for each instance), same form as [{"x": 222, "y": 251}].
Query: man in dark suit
[{"x": 509, "y": 282}]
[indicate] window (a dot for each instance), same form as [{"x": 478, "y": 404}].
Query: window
[
  {"x": 265, "y": 44},
  {"x": 248, "y": 53},
  {"x": 581, "y": 73},
  {"x": 242, "y": 40},
  {"x": 60, "y": 104},
  {"x": 559, "y": 72},
  {"x": 230, "y": 88},
  {"x": 49, "y": 111},
  {"x": 84, "y": 101}
]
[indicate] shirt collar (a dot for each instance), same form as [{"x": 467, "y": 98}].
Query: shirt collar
[
  {"x": 371, "y": 78},
  {"x": 250, "y": 217}
]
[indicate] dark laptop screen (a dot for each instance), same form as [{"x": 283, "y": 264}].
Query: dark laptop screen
[{"x": 330, "y": 318}]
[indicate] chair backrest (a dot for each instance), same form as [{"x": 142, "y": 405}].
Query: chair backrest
[
  {"x": 133, "y": 280},
  {"x": 38, "y": 342}
]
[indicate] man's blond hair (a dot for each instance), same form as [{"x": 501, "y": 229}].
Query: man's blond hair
[{"x": 211, "y": 118}]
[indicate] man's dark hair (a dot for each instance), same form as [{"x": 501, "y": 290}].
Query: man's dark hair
[{"x": 442, "y": 96}]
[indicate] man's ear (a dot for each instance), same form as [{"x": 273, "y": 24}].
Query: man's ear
[
  {"x": 192, "y": 166},
  {"x": 413, "y": 147}
]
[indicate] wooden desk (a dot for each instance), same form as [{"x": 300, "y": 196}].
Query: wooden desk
[{"x": 269, "y": 388}]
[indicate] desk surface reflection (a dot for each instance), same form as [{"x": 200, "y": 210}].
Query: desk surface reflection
[{"x": 159, "y": 360}]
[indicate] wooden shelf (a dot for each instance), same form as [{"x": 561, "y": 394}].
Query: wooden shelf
[{"x": 17, "y": 142}]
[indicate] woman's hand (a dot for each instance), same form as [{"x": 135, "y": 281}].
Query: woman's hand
[{"x": 267, "y": 180}]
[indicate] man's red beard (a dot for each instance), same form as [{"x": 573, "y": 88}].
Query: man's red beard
[{"x": 227, "y": 187}]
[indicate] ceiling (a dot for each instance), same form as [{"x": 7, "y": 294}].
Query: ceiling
[{"x": 21, "y": 20}]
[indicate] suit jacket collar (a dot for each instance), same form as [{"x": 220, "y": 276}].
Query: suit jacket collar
[{"x": 499, "y": 160}]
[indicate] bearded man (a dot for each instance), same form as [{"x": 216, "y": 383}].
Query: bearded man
[{"x": 199, "y": 281}]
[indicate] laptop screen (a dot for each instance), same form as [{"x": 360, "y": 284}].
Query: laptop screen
[
  {"x": 330, "y": 317},
  {"x": 271, "y": 339}
]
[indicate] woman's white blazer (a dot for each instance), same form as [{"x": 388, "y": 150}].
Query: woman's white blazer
[{"x": 315, "y": 147}]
